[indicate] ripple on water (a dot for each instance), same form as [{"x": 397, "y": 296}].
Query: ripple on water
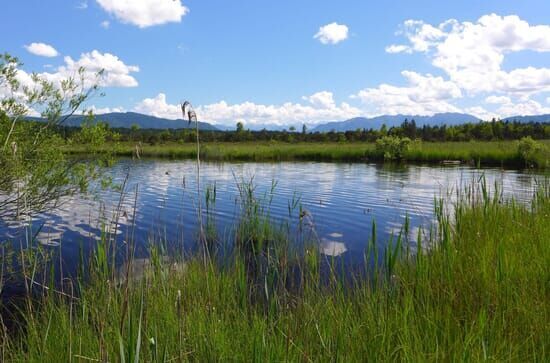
[{"x": 343, "y": 200}]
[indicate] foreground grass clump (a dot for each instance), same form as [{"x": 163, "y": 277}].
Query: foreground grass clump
[
  {"x": 477, "y": 152},
  {"x": 481, "y": 292}
]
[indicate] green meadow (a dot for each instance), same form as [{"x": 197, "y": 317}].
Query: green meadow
[{"x": 496, "y": 153}]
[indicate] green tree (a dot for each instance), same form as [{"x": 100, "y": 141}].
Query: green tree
[
  {"x": 240, "y": 127},
  {"x": 34, "y": 173},
  {"x": 383, "y": 130},
  {"x": 91, "y": 133},
  {"x": 134, "y": 129},
  {"x": 165, "y": 136}
]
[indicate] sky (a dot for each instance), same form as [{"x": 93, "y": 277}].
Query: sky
[{"x": 282, "y": 63}]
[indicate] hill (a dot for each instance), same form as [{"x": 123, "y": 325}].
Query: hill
[
  {"x": 127, "y": 119},
  {"x": 533, "y": 118}
]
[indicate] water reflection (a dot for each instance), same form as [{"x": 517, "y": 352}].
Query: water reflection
[
  {"x": 332, "y": 248},
  {"x": 344, "y": 200}
]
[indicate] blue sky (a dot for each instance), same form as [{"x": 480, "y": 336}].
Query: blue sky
[{"x": 292, "y": 62}]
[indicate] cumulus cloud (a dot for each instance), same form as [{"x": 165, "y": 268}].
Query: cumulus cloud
[
  {"x": 421, "y": 36},
  {"x": 522, "y": 108},
  {"x": 252, "y": 114},
  {"x": 424, "y": 95},
  {"x": 323, "y": 99},
  {"x": 25, "y": 81},
  {"x": 158, "y": 107},
  {"x": 42, "y": 49},
  {"x": 145, "y": 13},
  {"x": 105, "y": 24},
  {"x": 332, "y": 33},
  {"x": 498, "y": 99},
  {"x": 115, "y": 72},
  {"x": 286, "y": 114},
  {"x": 481, "y": 113},
  {"x": 472, "y": 54}
]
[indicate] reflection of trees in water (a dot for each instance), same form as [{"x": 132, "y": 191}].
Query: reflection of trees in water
[{"x": 393, "y": 171}]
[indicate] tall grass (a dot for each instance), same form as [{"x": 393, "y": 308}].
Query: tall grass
[
  {"x": 478, "y": 289},
  {"x": 499, "y": 153}
]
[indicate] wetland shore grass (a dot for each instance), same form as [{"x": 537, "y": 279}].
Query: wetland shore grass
[
  {"x": 479, "y": 292},
  {"x": 496, "y": 153}
]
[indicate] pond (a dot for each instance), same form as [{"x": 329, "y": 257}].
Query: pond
[{"x": 342, "y": 201}]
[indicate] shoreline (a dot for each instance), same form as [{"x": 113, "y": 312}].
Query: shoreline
[{"x": 487, "y": 153}]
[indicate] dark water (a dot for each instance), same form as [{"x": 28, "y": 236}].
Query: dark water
[{"x": 342, "y": 199}]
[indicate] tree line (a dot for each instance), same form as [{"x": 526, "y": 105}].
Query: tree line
[{"x": 486, "y": 131}]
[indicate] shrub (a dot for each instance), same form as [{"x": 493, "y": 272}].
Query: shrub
[
  {"x": 531, "y": 151},
  {"x": 393, "y": 147}
]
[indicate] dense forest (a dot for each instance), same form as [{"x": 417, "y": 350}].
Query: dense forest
[{"x": 486, "y": 131}]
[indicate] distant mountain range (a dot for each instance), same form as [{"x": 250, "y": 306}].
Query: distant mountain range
[
  {"x": 127, "y": 119},
  {"x": 449, "y": 118},
  {"x": 395, "y": 120},
  {"x": 534, "y": 118}
]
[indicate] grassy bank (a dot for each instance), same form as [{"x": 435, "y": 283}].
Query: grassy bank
[
  {"x": 481, "y": 293},
  {"x": 482, "y": 152}
]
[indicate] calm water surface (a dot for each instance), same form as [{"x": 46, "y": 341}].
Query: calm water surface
[{"x": 343, "y": 200}]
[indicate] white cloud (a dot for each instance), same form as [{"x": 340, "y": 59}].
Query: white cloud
[
  {"x": 497, "y": 99},
  {"x": 332, "y": 33},
  {"x": 25, "y": 80},
  {"x": 253, "y": 114},
  {"x": 472, "y": 54},
  {"x": 424, "y": 95},
  {"x": 522, "y": 108},
  {"x": 158, "y": 107},
  {"x": 323, "y": 99},
  {"x": 280, "y": 115},
  {"x": 115, "y": 72},
  {"x": 481, "y": 113},
  {"x": 102, "y": 110},
  {"x": 42, "y": 49},
  {"x": 82, "y": 5},
  {"x": 145, "y": 13},
  {"x": 548, "y": 100},
  {"x": 421, "y": 36},
  {"x": 105, "y": 24},
  {"x": 397, "y": 49}
]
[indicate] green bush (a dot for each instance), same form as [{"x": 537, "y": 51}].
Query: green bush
[
  {"x": 393, "y": 147},
  {"x": 532, "y": 152}
]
